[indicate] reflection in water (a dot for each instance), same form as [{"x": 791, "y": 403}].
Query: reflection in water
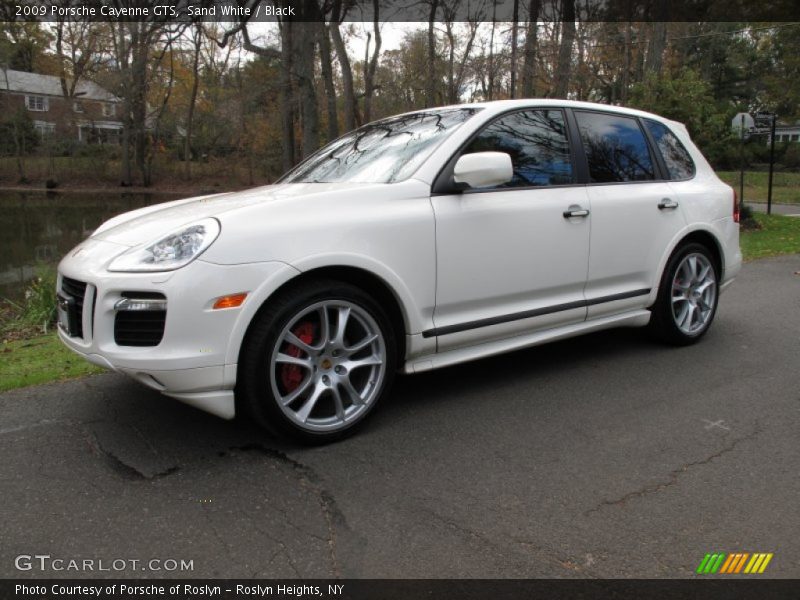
[{"x": 39, "y": 228}]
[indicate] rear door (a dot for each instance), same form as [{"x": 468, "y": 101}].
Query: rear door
[{"x": 635, "y": 213}]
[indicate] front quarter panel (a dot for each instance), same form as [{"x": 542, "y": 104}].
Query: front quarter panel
[{"x": 386, "y": 229}]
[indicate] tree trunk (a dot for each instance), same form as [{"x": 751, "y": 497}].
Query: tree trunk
[
  {"x": 187, "y": 145},
  {"x": 491, "y": 73},
  {"x": 430, "y": 80},
  {"x": 304, "y": 71},
  {"x": 658, "y": 43},
  {"x": 350, "y": 116},
  {"x": 369, "y": 69},
  {"x": 529, "y": 52},
  {"x": 62, "y": 63},
  {"x": 324, "y": 41},
  {"x": 152, "y": 136},
  {"x": 19, "y": 151},
  {"x": 287, "y": 104},
  {"x": 459, "y": 80},
  {"x": 122, "y": 50},
  {"x": 564, "y": 65},
  {"x": 139, "y": 44},
  {"x": 451, "y": 62},
  {"x": 284, "y": 55},
  {"x": 626, "y": 72},
  {"x": 514, "y": 50}
]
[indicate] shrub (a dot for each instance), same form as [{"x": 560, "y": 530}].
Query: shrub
[
  {"x": 39, "y": 305},
  {"x": 791, "y": 158},
  {"x": 17, "y": 134}
]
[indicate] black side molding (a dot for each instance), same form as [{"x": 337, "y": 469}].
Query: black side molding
[{"x": 527, "y": 314}]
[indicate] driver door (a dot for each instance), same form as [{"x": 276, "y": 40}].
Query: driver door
[{"x": 512, "y": 259}]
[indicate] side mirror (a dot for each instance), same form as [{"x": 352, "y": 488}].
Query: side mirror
[{"x": 483, "y": 169}]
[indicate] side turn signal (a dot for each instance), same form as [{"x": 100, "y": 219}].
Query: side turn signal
[{"x": 230, "y": 301}]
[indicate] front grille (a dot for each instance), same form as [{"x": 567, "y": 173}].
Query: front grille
[
  {"x": 140, "y": 327},
  {"x": 77, "y": 291}
]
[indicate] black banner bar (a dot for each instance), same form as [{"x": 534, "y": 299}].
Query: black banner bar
[
  {"x": 183, "y": 11},
  {"x": 733, "y": 588}
]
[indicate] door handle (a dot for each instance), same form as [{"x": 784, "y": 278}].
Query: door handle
[
  {"x": 575, "y": 211},
  {"x": 667, "y": 203}
]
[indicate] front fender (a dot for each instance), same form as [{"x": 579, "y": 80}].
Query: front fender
[{"x": 417, "y": 314}]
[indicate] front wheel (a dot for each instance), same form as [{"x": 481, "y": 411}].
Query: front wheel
[
  {"x": 688, "y": 296},
  {"x": 317, "y": 361}
]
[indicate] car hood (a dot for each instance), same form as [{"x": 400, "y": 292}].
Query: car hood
[{"x": 150, "y": 223}]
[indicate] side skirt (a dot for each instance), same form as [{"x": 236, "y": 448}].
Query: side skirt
[{"x": 634, "y": 318}]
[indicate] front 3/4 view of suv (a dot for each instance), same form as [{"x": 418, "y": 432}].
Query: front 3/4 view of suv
[{"x": 413, "y": 243}]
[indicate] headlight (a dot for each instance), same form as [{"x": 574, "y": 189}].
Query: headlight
[{"x": 171, "y": 252}]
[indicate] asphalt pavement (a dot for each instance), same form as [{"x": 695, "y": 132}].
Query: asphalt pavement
[
  {"x": 790, "y": 210},
  {"x": 602, "y": 456}
]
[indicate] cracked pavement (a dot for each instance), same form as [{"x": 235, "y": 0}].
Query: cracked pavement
[{"x": 601, "y": 456}]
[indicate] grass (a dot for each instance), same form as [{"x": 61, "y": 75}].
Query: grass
[
  {"x": 785, "y": 186},
  {"x": 778, "y": 235},
  {"x": 37, "y": 360}
]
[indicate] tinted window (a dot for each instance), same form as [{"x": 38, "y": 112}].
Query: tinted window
[
  {"x": 679, "y": 163},
  {"x": 537, "y": 142},
  {"x": 615, "y": 148},
  {"x": 381, "y": 152}
]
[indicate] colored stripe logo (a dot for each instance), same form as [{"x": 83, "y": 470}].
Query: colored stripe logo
[{"x": 733, "y": 563}]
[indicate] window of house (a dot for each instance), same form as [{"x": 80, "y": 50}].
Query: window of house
[
  {"x": 615, "y": 148},
  {"x": 77, "y": 106},
  {"x": 677, "y": 159},
  {"x": 44, "y": 128},
  {"x": 795, "y": 137},
  {"x": 37, "y": 103},
  {"x": 536, "y": 141},
  {"x": 109, "y": 109}
]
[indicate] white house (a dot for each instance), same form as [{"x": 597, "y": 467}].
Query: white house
[
  {"x": 787, "y": 133},
  {"x": 783, "y": 133}
]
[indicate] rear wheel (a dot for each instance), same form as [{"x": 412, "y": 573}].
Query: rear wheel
[
  {"x": 317, "y": 361},
  {"x": 687, "y": 297}
]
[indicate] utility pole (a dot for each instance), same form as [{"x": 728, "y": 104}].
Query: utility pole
[
  {"x": 771, "y": 163},
  {"x": 741, "y": 164}
]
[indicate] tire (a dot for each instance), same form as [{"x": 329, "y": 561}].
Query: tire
[
  {"x": 302, "y": 378},
  {"x": 687, "y": 296}
]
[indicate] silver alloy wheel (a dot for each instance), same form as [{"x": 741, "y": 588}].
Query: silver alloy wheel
[
  {"x": 694, "y": 293},
  {"x": 328, "y": 365}
]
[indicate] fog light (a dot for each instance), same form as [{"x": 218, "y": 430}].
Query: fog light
[
  {"x": 230, "y": 301},
  {"x": 137, "y": 304}
]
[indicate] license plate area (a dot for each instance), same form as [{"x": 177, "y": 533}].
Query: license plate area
[{"x": 68, "y": 317}]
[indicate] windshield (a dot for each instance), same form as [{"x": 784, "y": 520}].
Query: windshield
[{"x": 381, "y": 152}]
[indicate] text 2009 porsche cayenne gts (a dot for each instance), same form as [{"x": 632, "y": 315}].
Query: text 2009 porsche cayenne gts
[{"x": 415, "y": 242}]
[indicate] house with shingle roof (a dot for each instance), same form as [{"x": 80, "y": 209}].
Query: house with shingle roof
[{"x": 91, "y": 115}]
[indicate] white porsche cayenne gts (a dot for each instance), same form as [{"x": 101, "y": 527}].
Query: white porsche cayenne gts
[{"x": 413, "y": 243}]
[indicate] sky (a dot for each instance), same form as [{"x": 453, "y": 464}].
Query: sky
[{"x": 391, "y": 35}]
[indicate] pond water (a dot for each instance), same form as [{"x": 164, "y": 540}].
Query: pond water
[{"x": 39, "y": 228}]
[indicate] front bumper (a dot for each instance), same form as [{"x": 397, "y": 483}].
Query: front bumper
[{"x": 196, "y": 359}]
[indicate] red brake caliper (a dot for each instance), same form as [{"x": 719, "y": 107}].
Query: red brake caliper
[{"x": 292, "y": 375}]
